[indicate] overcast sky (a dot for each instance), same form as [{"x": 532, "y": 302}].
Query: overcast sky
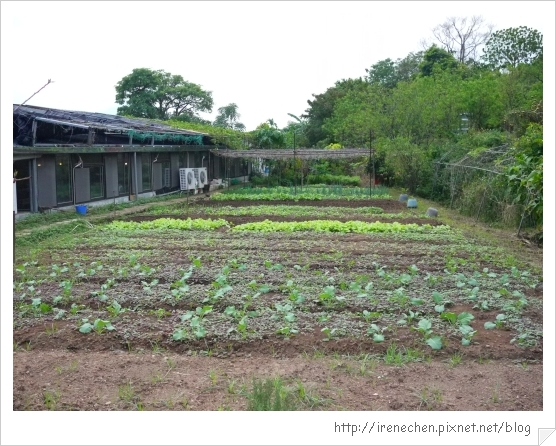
[{"x": 267, "y": 57}]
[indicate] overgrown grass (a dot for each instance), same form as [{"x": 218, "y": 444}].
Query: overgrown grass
[{"x": 270, "y": 394}]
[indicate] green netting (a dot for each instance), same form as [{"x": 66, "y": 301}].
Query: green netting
[{"x": 173, "y": 137}]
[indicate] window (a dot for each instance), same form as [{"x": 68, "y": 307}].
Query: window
[
  {"x": 146, "y": 171},
  {"x": 123, "y": 173},
  {"x": 95, "y": 164},
  {"x": 63, "y": 179},
  {"x": 96, "y": 181}
]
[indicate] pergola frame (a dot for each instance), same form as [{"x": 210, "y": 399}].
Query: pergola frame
[{"x": 281, "y": 154}]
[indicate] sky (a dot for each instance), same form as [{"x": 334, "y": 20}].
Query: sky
[{"x": 268, "y": 58}]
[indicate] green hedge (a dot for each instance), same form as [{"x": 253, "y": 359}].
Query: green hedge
[{"x": 326, "y": 178}]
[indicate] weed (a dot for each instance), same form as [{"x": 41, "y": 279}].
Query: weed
[
  {"x": 317, "y": 354},
  {"x": 270, "y": 394},
  {"x": 429, "y": 397},
  {"x": 52, "y": 329},
  {"x": 495, "y": 397},
  {"x": 51, "y": 399},
  {"x": 155, "y": 347},
  {"x": 399, "y": 357},
  {"x": 454, "y": 360},
  {"x": 213, "y": 377},
  {"x": 126, "y": 393},
  {"x": 171, "y": 363},
  {"x": 232, "y": 390},
  {"x": 155, "y": 379}
]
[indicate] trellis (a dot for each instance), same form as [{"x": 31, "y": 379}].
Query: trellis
[
  {"x": 282, "y": 154},
  {"x": 301, "y": 153}
]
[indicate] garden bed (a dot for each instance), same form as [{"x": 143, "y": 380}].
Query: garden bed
[{"x": 168, "y": 319}]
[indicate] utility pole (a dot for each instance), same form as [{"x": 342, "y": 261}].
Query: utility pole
[
  {"x": 371, "y": 162},
  {"x": 294, "y": 166}
]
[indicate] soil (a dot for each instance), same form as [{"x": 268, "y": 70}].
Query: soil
[
  {"x": 95, "y": 380},
  {"x": 56, "y": 367}
]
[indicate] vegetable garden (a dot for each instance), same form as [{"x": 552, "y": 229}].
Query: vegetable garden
[{"x": 343, "y": 302}]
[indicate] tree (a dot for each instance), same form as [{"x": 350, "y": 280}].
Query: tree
[
  {"x": 228, "y": 117},
  {"x": 147, "y": 93},
  {"x": 387, "y": 73},
  {"x": 383, "y": 73},
  {"x": 267, "y": 135},
  {"x": 322, "y": 108},
  {"x": 461, "y": 36},
  {"x": 408, "y": 67},
  {"x": 513, "y": 46},
  {"x": 436, "y": 57}
]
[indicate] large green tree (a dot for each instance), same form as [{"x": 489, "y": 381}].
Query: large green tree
[
  {"x": 228, "y": 117},
  {"x": 268, "y": 136},
  {"x": 322, "y": 107},
  {"x": 156, "y": 94},
  {"x": 513, "y": 46},
  {"x": 436, "y": 58}
]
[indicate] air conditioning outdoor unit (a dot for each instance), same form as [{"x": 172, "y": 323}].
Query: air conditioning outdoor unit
[
  {"x": 188, "y": 181},
  {"x": 203, "y": 177}
]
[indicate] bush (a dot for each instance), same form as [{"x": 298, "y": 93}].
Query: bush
[{"x": 326, "y": 178}]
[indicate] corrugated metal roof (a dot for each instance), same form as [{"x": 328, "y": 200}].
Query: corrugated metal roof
[{"x": 97, "y": 120}]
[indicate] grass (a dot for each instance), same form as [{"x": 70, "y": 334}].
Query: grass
[
  {"x": 455, "y": 359},
  {"x": 399, "y": 356},
  {"x": 430, "y": 398},
  {"x": 51, "y": 399},
  {"x": 270, "y": 395}
]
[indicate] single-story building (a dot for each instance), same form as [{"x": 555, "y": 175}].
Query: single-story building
[{"x": 75, "y": 157}]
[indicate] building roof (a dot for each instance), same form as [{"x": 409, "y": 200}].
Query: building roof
[{"x": 101, "y": 121}]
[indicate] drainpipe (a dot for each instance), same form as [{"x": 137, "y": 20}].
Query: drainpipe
[
  {"x": 34, "y": 187},
  {"x": 79, "y": 164}
]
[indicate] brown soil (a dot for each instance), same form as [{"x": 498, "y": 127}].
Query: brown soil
[{"x": 121, "y": 380}]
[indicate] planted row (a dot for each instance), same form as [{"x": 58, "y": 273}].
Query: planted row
[
  {"x": 337, "y": 226},
  {"x": 273, "y": 226},
  {"x": 277, "y": 210},
  {"x": 169, "y": 223}
]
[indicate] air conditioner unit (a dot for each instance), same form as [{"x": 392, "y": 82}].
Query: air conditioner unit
[
  {"x": 188, "y": 180},
  {"x": 200, "y": 175},
  {"x": 203, "y": 177}
]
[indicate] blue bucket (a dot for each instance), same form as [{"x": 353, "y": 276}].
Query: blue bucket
[
  {"x": 412, "y": 203},
  {"x": 81, "y": 209}
]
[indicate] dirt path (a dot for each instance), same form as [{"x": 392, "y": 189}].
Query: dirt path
[{"x": 151, "y": 380}]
